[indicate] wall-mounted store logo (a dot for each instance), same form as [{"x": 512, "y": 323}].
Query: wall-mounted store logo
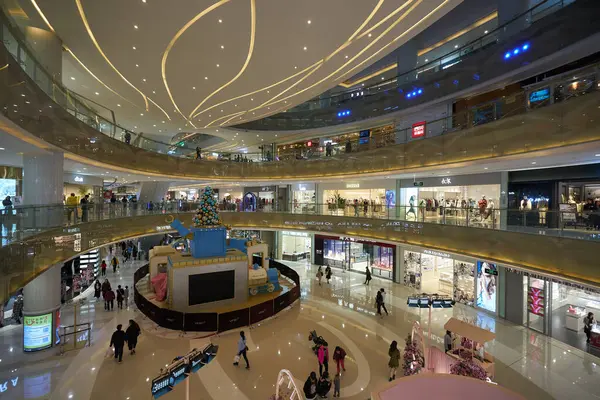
[
  {"x": 78, "y": 179},
  {"x": 437, "y": 253},
  {"x": 539, "y": 95},
  {"x": 418, "y": 129},
  {"x": 352, "y": 185},
  {"x": 344, "y": 113},
  {"x": 516, "y": 51},
  {"x": 491, "y": 271},
  {"x": 446, "y": 181}
]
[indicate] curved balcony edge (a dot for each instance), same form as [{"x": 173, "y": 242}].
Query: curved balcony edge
[{"x": 569, "y": 259}]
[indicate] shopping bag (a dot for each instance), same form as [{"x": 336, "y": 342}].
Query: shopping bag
[
  {"x": 236, "y": 359},
  {"x": 110, "y": 352}
]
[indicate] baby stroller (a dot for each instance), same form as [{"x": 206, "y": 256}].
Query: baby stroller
[{"x": 317, "y": 340}]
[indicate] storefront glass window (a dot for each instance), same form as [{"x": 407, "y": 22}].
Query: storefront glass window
[
  {"x": 487, "y": 285},
  {"x": 464, "y": 277},
  {"x": 412, "y": 269},
  {"x": 348, "y": 253},
  {"x": 356, "y": 202},
  {"x": 295, "y": 246}
]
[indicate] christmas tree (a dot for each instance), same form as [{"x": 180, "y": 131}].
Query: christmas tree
[{"x": 207, "y": 213}]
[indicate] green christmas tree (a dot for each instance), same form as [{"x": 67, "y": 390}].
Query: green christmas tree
[{"x": 207, "y": 213}]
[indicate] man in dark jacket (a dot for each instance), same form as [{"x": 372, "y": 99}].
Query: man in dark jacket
[
  {"x": 132, "y": 333},
  {"x": 118, "y": 341}
]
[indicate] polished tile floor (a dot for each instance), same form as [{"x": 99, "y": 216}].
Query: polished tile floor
[{"x": 342, "y": 312}]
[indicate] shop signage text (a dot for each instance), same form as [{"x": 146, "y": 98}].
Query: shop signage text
[
  {"x": 418, "y": 129},
  {"x": 539, "y": 95},
  {"x": 491, "y": 271},
  {"x": 352, "y": 185},
  {"x": 437, "y": 253},
  {"x": 78, "y": 179},
  {"x": 446, "y": 181},
  {"x": 420, "y": 183}
]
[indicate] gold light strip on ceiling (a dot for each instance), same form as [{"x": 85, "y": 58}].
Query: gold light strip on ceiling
[
  {"x": 160, "y": 108},
  {"x": 93, "y": 38},
  {"x": 320, "y": 63},
  {"x": 317, "y": 65},
  {"x": 469, "y": 28},
  {"x": 248, "y": 57},
  {"x": 223, "y": 117},
  {"x": 3, "y": 68},
  {"x": 35, "y": 5},
  {"x": 385, "y": 32},
  {"x": 172, "y": 43},
  {"x": 366, "y": 78}
]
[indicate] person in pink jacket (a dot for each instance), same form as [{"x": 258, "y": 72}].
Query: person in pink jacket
[{"x": 323, "y": 356}]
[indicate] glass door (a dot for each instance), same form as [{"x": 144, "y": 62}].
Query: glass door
[{"x": 537, "y": 304}]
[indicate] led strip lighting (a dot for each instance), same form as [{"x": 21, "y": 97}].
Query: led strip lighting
[
  {"x": 172, "y": 43},
  {"x": 93, "y": 38},
  {"x": 248, "y": 57}
]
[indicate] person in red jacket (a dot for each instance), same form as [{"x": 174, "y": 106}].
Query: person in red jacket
[
  {"x": 339, "y": 355},
  {"x": 109, "y": 300}
]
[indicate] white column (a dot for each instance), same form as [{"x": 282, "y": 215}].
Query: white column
[
  {"x": 153, "y": 191},
  {"x": 43, "y": 186}
]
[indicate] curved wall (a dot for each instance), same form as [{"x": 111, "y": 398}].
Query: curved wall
[{"x": 570, "y": 259}]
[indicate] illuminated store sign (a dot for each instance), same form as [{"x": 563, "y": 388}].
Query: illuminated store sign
[
  {"x": 418, "y": 129},
  {"x": 37, "y": 332},
  {"x": 78, "y": 179},
  {"x": 437, "y": 253},
  {"x": 446, "y": 181},
  {"x": 352, "y": 185},
  {"x": 539, "y": 95}
]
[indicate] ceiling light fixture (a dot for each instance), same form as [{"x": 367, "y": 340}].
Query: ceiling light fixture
[
  {"x": 369, "y": 35},
  {"x": 222, "y": 47},
  {"x": 72, "y": 78},
  {"x": 135, "y": 27},
  {"x": 305, "y": 48},
  {"x": 485, "y": 32},
  {"x": 97, "y": 94},
  {"x": 118, "y": 105},
  {"x": 142, "y": 114},
  {"x": 206, "y": 77},
  {"x": 220, "y": 21},
  {"x": 144, "y": 79},
  {"x": 134, "y": 48},
  {"x": 217, "y": 65},
  {"x": 194, "y": 87}
]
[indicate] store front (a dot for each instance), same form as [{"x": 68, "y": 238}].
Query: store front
[
  {"x": 375, "y": 198},
  {"x": 82, "y": 185},
  {"x": 553, "y": 307},
  {"x": 304, "y": 198},
  {"x": 295, "y": 246},
  {"x": 11, "y": 184},
  {"x": 231, "y": 199},
  {"x": 461, "y": 200},
  {"x": 264, "y": 198},
  {"x": 535, "y": 196},
  {"x": 356, "y": 254}
]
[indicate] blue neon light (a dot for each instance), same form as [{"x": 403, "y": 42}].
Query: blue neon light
[
  {"x": 507, "y": 56},
  {"x": 420, "y": 91},
  {"x": 414, "y": 93},
  {"x": 514, "y": 52},
  {"x": 344, "y": 113},
  {"x": 408, "y": 96},
  {"x": 525, "y": 46}
]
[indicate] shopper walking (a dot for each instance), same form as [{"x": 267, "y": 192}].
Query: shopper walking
[
  {"x": 103, "y": 268},
  {"x": 339, "y": 355},
  {"x": 118, "y": 341},
  {"x": 448, "y": 341},
  {"x": 115, "y": 264},
  {"x": 242, "y": 350},
  {"x": 394, "y": 362},
  {"x": 109, "y": 300},
  {"x": 368, "y": 278},
  {"x": 320, "y": 274},
  {"x": 85, "y": 206},
  {"x": 126, "y": 296},
  {"x": 17, "y": 309},
  {"x": 71, "y": 204},
  {"x": 127, "y": 137},
  {"x": 131, "y": 335},
  {"x": 379, "y": 302},
  {"x": 97, "y": 289},
  {"x": 383, "y": 294},
  {"x": 328, "y": 273},
  {"x": 120, "y": 297},
  {"x": 323, "y": 356},
  {"x": 198, "y": 153},
  {"x": 588, "y": 323}
]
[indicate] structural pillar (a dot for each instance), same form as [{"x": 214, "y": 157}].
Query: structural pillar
[
  {"x": 503, "y": 200},
  {"x": 153, "y": 192},
  {"x": 41, "y": 299},
  {"x": 43, "y": 183}
]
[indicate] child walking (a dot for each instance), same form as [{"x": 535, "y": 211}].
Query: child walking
[{"x": 336, "y": 385}]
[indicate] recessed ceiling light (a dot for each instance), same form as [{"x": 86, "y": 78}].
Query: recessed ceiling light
[
  {"x": 346, "y": 57},
  {"x": 597, "y": 155},
  {"x": 251, "y": 99},
  {"x": 194, "y": 87},
  {"x": 206, "y": 77},
  {"x": 144, "y": 79},
  {"x": 369, "y": 35},
  {"x": 97, "y": 94},
  {"x": 485, "y": 168},
  {"x": 142, "y": 114},
  {"x": 163, "y": 122},
  {"x": 304, "y": 48},
  {"x": 134, "y": 48},
  {"x": 118, "y": 105},
  {"x": 275, "y": 135},
  {"x": 485, "y": 32},
  {"x": 217, "y": 65},
  {"x": 426, "y": 60},
  {"x": 268, "y": 91},
  {"x": 382, "y": 78},
  {"x": 222, "y": 46},
  {"x": 533, "y": 162},
  {"x": 456, "y": 46},
  {"x": 295, "y": 67},
  {"x": 135, "y": 127},
  {"x": 2, "y": 148},
  {"x": 220, "y": 21},
  {"x": 137, "y": 65},
  {"x": 72, "y": 78},
  {"x": 135, "y": 26},
  {"x": 154, "y": 91},
  {"x": 154, "y": 125},
  {"x": 143, "y": 1}
]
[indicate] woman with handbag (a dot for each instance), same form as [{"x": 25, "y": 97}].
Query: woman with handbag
[
  {"x": 242, "y": 349},
  {"x": 588, "y": 322}
]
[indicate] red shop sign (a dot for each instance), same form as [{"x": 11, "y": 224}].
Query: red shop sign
[{"x": 418, "y": 129}]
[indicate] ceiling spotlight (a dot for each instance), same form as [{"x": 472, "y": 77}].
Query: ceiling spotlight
[
  {"x": 143, "y": 1},
  {"x": 217, "y": 65},
  {"x": 346, "y": 57},
  {"x": 308, "y": 22},
  {"x": 251, "y": 99},
  {"x": 222, "y": 46},
  {"x": 304, "y": 48},
  {"x": 220, "y": 21},
  {"x": 154, "y": 92},
  {"x": 137, "y": 65},
  {"x": 134, "y": 48},
  {"x": 485, "y": 32},
  {"x": 426, "y": 60},
  {"x": 163, "y": 122},
  {"x": 206, "y": 77},
  {"x": 194, "y": 87},
  {"x": 369, "y": 35},
  {"x": 533, "y": 163},
  {"x": 144, "y": 79},
  {"x": 135, "y": 27},
  {"x": 72, "y": 78},
  {"x": 118, "y": 105},
  {"x": 456, "y": 46},
  {"x": 295, "y": 67},
  {"x": 154, "y": 125},
  {"x": 141, "y": 114},
  {"x": 97, "y": 94}
]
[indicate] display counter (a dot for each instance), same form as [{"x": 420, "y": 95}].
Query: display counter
[
  {"x": 574, "y": 320},
  {"x": 294, "y": 256},
  {"x": 595, "y": 337},
  {"x": 446, "y": 284}
]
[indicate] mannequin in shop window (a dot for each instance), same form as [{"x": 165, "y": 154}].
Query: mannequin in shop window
[
  {"x": 411, "y": 214},
  {"x": 442, "y": 205},
  {"x": 422, "y": 207},
  {"x": 482, "y": 204},
  {"x": 490, "y": 209},
  {"x": 525, "y": 204},
  {"x": 542, "y": 206}
]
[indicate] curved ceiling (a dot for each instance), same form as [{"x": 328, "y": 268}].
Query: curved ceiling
[{"x": 197, "y": 65}]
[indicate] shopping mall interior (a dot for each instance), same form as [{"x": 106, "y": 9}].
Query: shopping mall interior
[{"x": 250, "y": 199}]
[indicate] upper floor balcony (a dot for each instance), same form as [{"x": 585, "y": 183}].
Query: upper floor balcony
[
  {"x": 548, "y": 35},
  {"x": 37, "y": 108}
]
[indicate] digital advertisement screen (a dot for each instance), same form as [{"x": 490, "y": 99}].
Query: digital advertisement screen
[
  {"x": 37, "y": 332},
  {"x": 487, "y": 285},
  {"x": 214, "y": 286}
]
